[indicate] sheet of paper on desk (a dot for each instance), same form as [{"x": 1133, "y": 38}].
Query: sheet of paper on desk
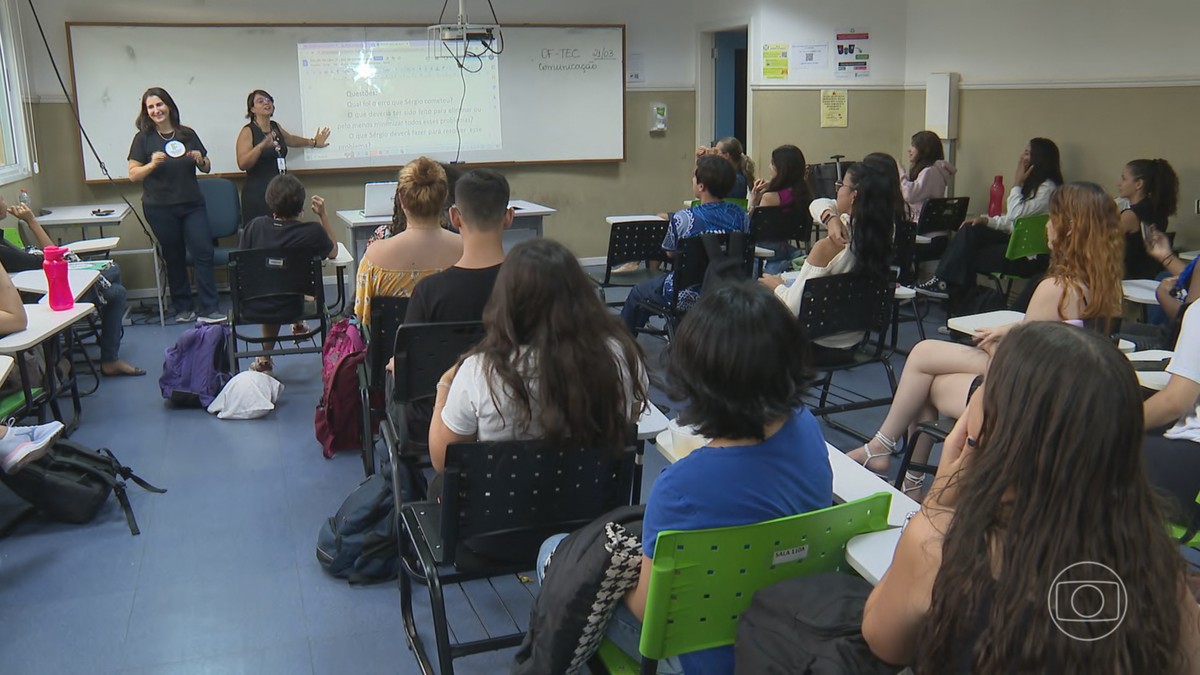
[{"x": 98, "y": 265}]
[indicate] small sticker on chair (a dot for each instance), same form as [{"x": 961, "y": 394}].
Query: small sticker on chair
[
  {"x": 788, "y": 555},
  {"x": 274, "y": 262}
]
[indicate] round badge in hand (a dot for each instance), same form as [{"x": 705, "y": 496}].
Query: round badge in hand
[{"x": 175, "y": 149}]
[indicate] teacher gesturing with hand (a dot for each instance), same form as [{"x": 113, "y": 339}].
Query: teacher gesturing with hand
[
  {"x": 164, "y": 157},
  {"x": 262, "y": 146}
]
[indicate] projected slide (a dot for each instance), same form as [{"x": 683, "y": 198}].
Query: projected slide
[{"x": 393, "y": 98}]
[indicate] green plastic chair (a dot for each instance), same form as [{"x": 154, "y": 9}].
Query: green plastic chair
[
  {"x": 1028, "y": 239},
  {"x": 1186, "y": 535},
  {"x": 703, "y": 580},
  {"x": 13, "y": 236},
  {"x": 744, "y": 203}
]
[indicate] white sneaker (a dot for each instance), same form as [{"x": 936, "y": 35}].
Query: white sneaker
[{"x": 22, "y": 445}]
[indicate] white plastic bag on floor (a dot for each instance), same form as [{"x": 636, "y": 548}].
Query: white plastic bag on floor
[{"x": 248, "y": 395}]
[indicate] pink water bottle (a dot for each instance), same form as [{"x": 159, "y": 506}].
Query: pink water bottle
[
  {"x": 57, "y": 283},
  {"x": 996, "y": 198}
]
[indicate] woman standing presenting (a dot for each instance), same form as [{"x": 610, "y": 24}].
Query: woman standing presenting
[
  {"x": 262, "y": 146},
  {"x": 164, "y": 157}
]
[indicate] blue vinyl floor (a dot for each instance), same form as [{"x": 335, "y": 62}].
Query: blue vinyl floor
[{"x": 223, "y": 578}]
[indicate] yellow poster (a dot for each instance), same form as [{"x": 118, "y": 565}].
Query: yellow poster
[
  {"x": 833, "y": 108},
  {"x": 775, "y": 61}
]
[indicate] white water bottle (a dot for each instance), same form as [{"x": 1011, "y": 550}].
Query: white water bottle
[{"x": 24, "y": 199}]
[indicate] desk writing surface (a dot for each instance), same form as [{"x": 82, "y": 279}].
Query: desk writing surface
[
  {"x": 6, "y": 366},
  {"x": 342, "y": 259},
  {"x": 1153, "y": 380},
  {"x": 651, "y": 423},
  {"x": 34, "y": 281},
  {"x": 1141, "y": 291},
  {"x": 86, "y": 246},
  {"x": 82, "y": 215},
  {"x": 42, "y": 323},
  {"x": 972, "y": 323},
  {"x": 613, "y": 220},
  {"x": 871, "y": 554}
]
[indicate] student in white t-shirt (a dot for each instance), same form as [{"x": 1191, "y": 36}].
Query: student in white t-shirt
[
  {"x": 1173, "y": 456},
  {"x": 554, "y": 363}
]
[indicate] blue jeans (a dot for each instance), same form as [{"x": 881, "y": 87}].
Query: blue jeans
[
  {"x": 782, "y": 255},
  {"x": 624, "y": 629},
  {"x": 634, "y": 315},
  {"x": 182, "y": 229},
  {"x": 110, "y": 302}
]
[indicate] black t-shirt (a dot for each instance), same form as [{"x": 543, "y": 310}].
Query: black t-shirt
[
  {"x": 454, "y": 294},
  {"x": 174, "y": 181},
  {"x": 1138, "y": 263},
  {"x": 289, "y": 235},
  {"x": 15, "y": 259}
]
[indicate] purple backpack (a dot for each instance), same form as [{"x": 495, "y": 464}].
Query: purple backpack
[{"x": 196, "y": 366}]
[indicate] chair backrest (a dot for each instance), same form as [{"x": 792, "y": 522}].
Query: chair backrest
[
  {"x": 691, "y": 260},
  {"x": 1028, "y": 237},
  {"x": 502, "y": 499},
  {"x": 636, "y": 241},
  {"x": 781, "y": 223},
  {"x": 13, "y": 236},
  {"x": 823, "y": 178},
  {"x": 904, "y": 252},
  {"x": 846, "y": 303},
  {"x": 273, "y": 274},
  {"x": 425, "y": 351},
  {"x": 943, "y": 215},
  {"x": 223, "y": 206},
  {"x": 387, "y": 313},
  {"x": 703, "y": 580}
]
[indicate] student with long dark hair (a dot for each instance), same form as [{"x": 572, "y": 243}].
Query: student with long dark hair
[
  {"x": 980, "y": 243},
  {"x": 554, "y": 363},
  {"x": 164, "y": 157},
  {"x": 787, "y": 187},
  {"x": 928, "y": 172},
  {"x": 865, "y": 194},
  {"x": 1041, "y": 487},
  {"x": 1152, "y": 189}
]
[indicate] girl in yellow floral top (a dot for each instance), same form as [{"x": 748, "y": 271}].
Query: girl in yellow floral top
[{"x": 392, "y": 267}]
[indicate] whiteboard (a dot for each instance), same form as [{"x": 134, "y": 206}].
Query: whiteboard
[{"x": 560, "y": 93}]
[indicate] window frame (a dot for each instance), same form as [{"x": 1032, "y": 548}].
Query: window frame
[{"x": 10, "y": 78}]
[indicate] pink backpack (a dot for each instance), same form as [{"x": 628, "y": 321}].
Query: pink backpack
[{"x": 344, "y": 338}]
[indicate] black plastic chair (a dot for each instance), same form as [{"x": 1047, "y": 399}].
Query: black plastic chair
[
  {"x": 422, "y": 353},
  {"x": 632, "y": 241},
  {"x": 500, "y": 501},
  {"x": 387, "y": 314},
  {"x": 850, "y": 303},
  {"x": 905, "y": 265},
  {"x": 691, "y": 264},
  {"x": 775, "y": 224},
  {"x": 274, "y": 275}
]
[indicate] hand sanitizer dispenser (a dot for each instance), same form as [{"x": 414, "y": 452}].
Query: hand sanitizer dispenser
[{"x": 658, "y": 117}]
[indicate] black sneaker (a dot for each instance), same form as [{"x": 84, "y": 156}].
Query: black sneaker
[{"x": 934, "y": 287}]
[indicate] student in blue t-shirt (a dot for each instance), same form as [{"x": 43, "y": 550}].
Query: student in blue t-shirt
[
  {"x": 738, "y": 359},
  {"x": 711, "y": 182}
]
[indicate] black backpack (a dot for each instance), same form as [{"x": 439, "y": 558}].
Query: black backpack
[
  {"x": 977, "y": 300},
  {"x": 724, "y": 266},
  {"x": 73, "y": 481},
  {"x": 359, "y": 542}
]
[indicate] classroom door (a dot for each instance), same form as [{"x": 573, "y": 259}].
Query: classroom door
[{"x": 730, "y": 84}]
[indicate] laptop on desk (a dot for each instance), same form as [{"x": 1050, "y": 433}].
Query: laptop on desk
[{"x": 378, "y": 199}]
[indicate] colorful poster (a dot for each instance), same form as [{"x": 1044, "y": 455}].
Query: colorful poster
[
  {"x": 834, "y": 109},
  {"x": 809, "y": 57},
  {"x": 775, "y": 61},
  {"x": 852, "y": 52}
]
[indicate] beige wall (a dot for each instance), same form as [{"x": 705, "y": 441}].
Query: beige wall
[{"x": 655, "y": 177}]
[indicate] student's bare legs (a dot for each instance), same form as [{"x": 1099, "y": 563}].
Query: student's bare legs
[
  {"x": 933, "y": 372},
  {"x": 263, "y": 364}
]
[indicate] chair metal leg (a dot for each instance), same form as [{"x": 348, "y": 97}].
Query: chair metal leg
[
  {"x": 437, "y": 604},
  {"x": 368, "y": 434}
]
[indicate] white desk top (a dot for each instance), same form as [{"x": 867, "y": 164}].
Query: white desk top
[
  {"x": 82, "y": 214},
  {"x": 43, "y": 322},
  {"x": 760, "y": 252},
  {"x": 34, "y": 281},
  {"x": 342, "y": 259},
  {"x": 86, "y": 246},
  {"x": 1189, "y": 255},
  {"x": 851, "y": 480},
  {"x": 611, "y": 220},
  {"x": 871, "y": 554},
  {"x": 1140, "y": 291},
  {"x": 652, "y": 423},
  {"x": 6, "y": 366},
  {"x": 971, "y": 323},
  {"x": 520, "y": 207},
  {"x": 1153, "y": 380}
]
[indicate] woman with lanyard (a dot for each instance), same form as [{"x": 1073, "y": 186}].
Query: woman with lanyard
[
  {"x": 164, "y": 157},
  {"x": 262, "y": 146}
]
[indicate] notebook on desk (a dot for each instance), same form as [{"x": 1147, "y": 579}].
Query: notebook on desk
[{"x": 378, "y": 199}]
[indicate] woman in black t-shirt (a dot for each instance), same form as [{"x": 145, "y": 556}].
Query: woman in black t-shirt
[
  {"x": 262, "y": 146},
  {"x": 1152, "y": 189},
  {"x": 164, "y": 157}
]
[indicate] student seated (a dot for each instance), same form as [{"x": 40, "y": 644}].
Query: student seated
[
  {"x": 730, "y": 149},
  {"x": 108, "y": 294},
  {"x": 554, "y": 362},
  {"x": 980, "y": 244},
  {"x": 393, "y": 266},
  {"x": 739, "y": 362},
  {"x": 1083, "y": 282},
  {"x": 1151, "y": 189},
  {"x": 1040, "y": 507},
  {"x": 928, "y": 172},
  {"x": 788, "y": 186},
  {"x": 711, "y": 182},
  {"x": 284, "y": 230}
]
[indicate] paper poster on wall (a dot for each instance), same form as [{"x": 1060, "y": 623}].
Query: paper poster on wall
[
  {"x": 834, "y": 108},
  {"x": 635, "y": 67},
  {"x": 853, "y": 53},
  {"x": 809, "y": 57},
  {"x": 775, "y": 61}
]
